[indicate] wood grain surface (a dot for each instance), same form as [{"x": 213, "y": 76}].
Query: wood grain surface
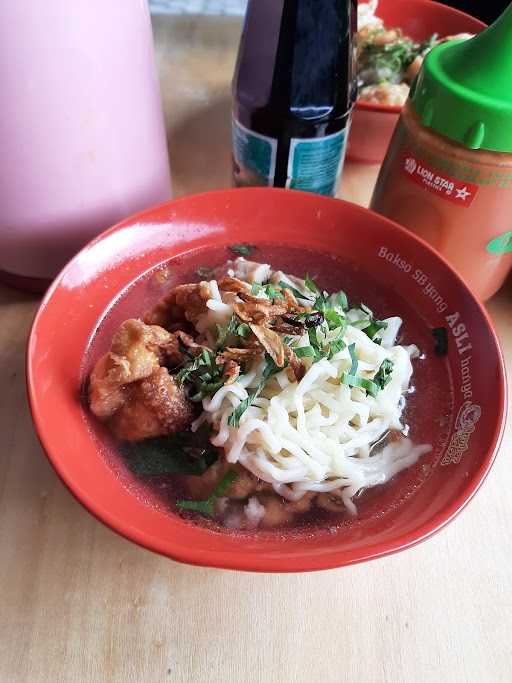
[{"x": 79, "y": 604}]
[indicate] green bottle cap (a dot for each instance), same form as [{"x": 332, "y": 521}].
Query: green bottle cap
[{"x": 464, "y": 89}]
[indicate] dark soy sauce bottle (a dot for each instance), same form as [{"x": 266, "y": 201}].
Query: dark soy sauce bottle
[{"x": 293, "y": 90}]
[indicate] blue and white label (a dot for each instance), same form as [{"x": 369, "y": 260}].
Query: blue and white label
[
  {"x": 254, "y": 156},
  {"x": 315, "y": 164}
]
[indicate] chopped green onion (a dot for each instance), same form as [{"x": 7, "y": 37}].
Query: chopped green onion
[
  {"x": 335, "y": 347},
  {"x": 234, "y": 418},
  {"x": 374, "y": 327},
  {"x": 304, "y": 352},
  {"x": 270, "y": 369},
  {"x": 365, "y": 309},
  {"x": 352, "y": 352},
  {"x": 224, "y": 331},
  {"x": 272, "y": 292},
  {"x": 313, "y": 340},
  {"x": 339, "y": 299},
  {"x": 189, "y": 453},
  {"x": 243, "y": 330},
  {"x": 334, "y": 319},
  {"x": 293, "y": 290},
  {"x": 183, "y": 374},
  {"x": 205, "y": 376},
  {"x": 242, "y": 249},
  {"x": 206, "y": 507},
  {"x": 269, "y": 290},
  {"x": 321, "y": 302},
  {"x": 311, "y": 285},
  {"x": 361, "y": 324},
  {"x": 360, "y": 382},
  {"x": 383, "y": 374}
]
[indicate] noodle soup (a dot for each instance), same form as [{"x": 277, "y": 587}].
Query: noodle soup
[{"x": 260, "y": 399}]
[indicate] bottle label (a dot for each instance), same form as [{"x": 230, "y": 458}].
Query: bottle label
[
  {"x": 254, "y": 156},
  {"x": 441, "y": 184},
  {"x": 315, "y": 164}
]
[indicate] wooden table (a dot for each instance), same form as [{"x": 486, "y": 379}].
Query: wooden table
[{"x": 79, "y": 603}]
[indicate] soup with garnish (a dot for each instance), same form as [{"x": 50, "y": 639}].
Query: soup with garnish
[{"x": 244, "y": 393}]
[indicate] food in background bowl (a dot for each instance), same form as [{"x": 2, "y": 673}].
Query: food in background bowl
[
  {"x": 388, "y": 60},
  {"x": 396, "y": 40},
  {"x": 275, "y": 397}
]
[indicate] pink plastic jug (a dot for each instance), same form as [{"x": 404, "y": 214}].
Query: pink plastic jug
[{"x": 82, "y": 135}]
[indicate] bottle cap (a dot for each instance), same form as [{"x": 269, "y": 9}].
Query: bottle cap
[{"x": 464, "y": 89}]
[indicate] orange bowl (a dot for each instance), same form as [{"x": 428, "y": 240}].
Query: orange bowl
[
  {"x": 373, "y": 124},
  {"x": 458, "y": 406}
]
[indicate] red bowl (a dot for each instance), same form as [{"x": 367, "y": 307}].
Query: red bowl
[
  {"x": 373, "y": 124},
  {"x": 458, "y": 406}
]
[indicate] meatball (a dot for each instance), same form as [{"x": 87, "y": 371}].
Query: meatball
[
  {"x": 154, "y": 406},
  {"x": 135, "y": 353}
]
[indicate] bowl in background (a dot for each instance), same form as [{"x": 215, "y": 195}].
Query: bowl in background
[
  {"x": 458, "y": 405},
  {"x": 373, "y": 124}
]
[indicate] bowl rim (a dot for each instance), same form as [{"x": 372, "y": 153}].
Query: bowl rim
[
  {"x": 396, "y": 108},
  {"x": 241, "y": 562}
]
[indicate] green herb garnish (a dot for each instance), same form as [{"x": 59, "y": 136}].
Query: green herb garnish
[
  {"x": 311, "y": 285},
  {"x": 374, "y": 327},
  {"x": 187, "y": 371},
  {"x": 321, "y": 303},
  {"x": 272, "y": 292},
  {"x": 334, "y": 319},
  {"x": 224, "y": 331},
  {"x": 269, "y": 290},
  {"x": 270, "y": 369},
  {"x": 354, "y": 381},
  {"x": 206, "y": 507},
  {"x": 339, "y": 299},
  {"x": 361, "y": 324},
  {"x": 352, "y": 352},
  {"x": 304, "y": 352},
  {"x": 369, "y": 324},
  {"x": 243, "y": 330},
  {"x": 367, "y": 311},
  {"x": 387, "y": 63},
  {"x": 372, "y": 387},
  {"x": 383, "y": 375},
  {"x": 234, "y": 418},
  {"x": 351, "y": 379},
  {"x": 242, "y": 249},
  {"x": 203, "y": 375},
  {"x": 182, "y": 453},
  {"x": 314, "y": 343},
  {"x": 335, "y": 347},
  {"x": 294, "y": 291}
]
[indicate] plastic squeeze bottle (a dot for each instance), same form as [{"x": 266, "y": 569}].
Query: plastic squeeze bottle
[
  {"x": 293, "y": 91},
  {"x": 447, "y": 175}
]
